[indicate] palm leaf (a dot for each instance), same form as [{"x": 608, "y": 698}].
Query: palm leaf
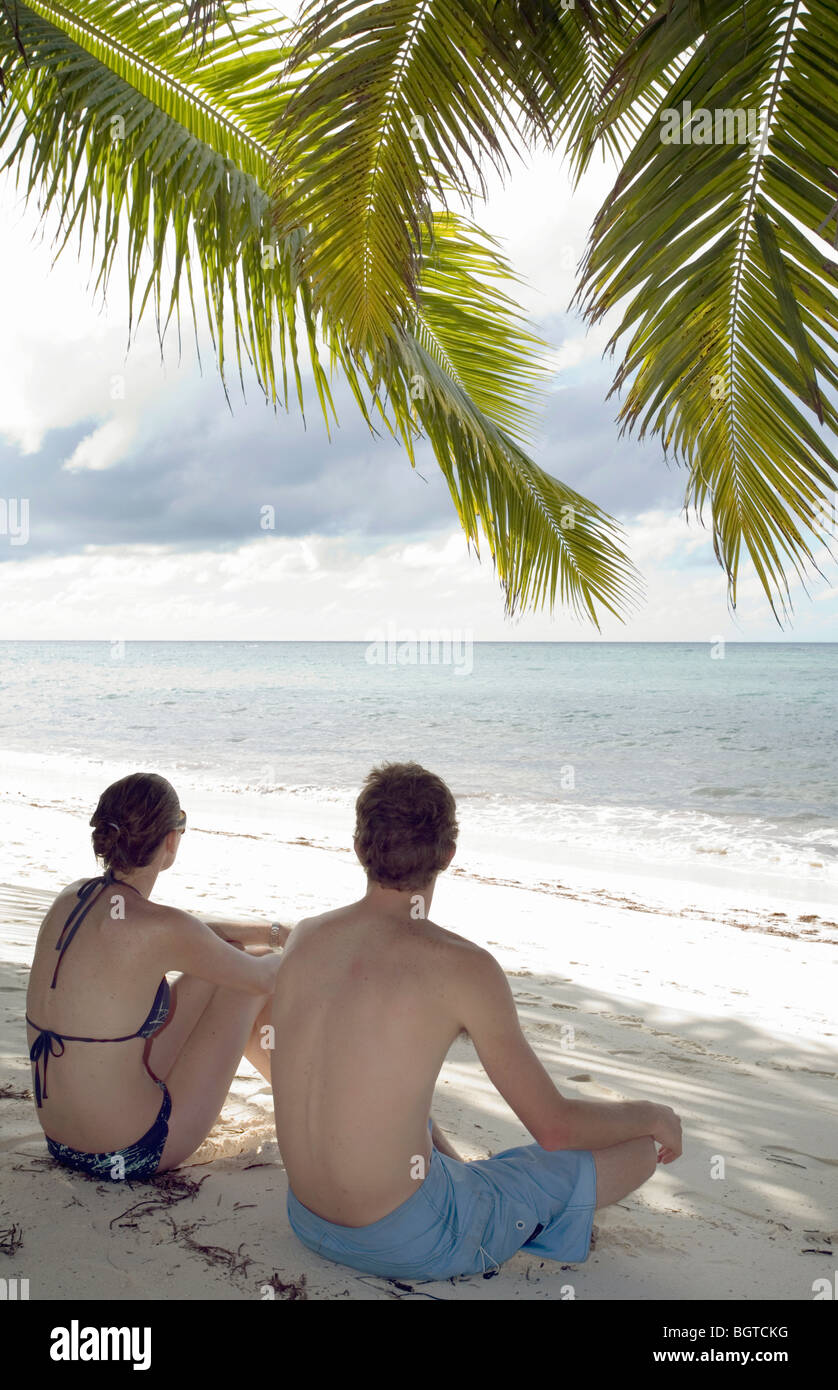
[
  {"x": 189, "y": 175},
  {"x": 547, "y": 542},
  {"x": 727, "y": 287},
  {"x": 393, "y": 103},
  {"x": 115, "y": 124},
  {"x": 466, "y": 369}
]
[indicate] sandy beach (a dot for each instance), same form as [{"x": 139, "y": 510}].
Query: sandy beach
[{"x": 717, "y": 1000}]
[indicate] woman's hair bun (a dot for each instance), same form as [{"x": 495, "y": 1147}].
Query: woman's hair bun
[{"x": 132, "y": 817}]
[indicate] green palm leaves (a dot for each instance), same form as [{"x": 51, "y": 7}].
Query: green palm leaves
[
  {"x": 304, "y": 176},
  {"x": 161, "y": 144},
  {"x": 712, "y": 240},
  {"x": 393, "y": 101},
  {"x": 135, "y": 148}
]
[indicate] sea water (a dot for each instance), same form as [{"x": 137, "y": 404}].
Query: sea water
[{"x": 675, "y": 754}]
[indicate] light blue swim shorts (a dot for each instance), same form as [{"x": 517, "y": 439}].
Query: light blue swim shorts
[{"x": 467, "y": 1218}]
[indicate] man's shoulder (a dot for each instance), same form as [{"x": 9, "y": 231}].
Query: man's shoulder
[
  {"x": 467, "y": 954},
  {"x": 318, "y": 919},
  {"x": 309, "y": 927}
]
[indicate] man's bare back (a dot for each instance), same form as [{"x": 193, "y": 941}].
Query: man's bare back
[{"x": 365, "y": 1010}]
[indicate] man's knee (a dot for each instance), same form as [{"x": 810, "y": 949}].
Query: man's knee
[
  {"x": 641, "y": 1160},
  {"x": 623, "y": 1168},
  {"x": 648, "y": 1156}
]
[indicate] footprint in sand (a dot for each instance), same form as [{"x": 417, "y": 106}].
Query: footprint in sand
[{"x": 571, "y": 1007}]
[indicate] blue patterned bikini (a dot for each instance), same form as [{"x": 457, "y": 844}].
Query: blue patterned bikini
[{"x": 140, "y": 1159}]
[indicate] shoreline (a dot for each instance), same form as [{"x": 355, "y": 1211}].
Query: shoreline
[{"x": 325, "y": 817}]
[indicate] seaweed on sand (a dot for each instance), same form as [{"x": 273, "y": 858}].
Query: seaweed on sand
[
  {"x": 169, "y": 1189},
  {"x": 11, "y": 1240},
  {"x": 213, "y": 1255},
  {"x": 10, "y": 1092},
  {"x": 295, "y": 1288}
]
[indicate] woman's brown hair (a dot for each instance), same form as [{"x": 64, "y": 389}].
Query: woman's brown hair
[
  {"x": 132, "y": 817},
  {"x": 406, "y": 825}
]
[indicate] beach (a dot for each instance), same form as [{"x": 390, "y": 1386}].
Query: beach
[{"x": 713, "y": 997}]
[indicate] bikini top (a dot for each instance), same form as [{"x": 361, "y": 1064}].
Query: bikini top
[{"x": 51, "y": 1044}]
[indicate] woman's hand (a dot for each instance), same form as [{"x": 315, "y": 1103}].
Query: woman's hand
[{"x": 270, "y": 963}]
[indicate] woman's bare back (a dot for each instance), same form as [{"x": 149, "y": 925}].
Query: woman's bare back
[{"x": 100, "y": 1096}]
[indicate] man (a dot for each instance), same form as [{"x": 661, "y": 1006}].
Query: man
[{"x": 369, "y": 999}]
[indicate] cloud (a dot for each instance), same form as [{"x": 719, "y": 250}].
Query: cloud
[
  {"x": 276, "y": 588},
  {"x": 148, "y": 497}
]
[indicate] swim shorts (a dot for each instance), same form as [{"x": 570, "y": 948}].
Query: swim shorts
[{"x": 467, "y": 1218}]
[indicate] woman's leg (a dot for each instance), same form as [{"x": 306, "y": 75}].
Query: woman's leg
[
  {"x": 259, "y": 1047},
  {"x": 189, "y": 998},
  {"x": 200, "y": 1076}
]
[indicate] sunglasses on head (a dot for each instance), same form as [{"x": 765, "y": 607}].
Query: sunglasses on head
[{"x": 181, "y": 824}]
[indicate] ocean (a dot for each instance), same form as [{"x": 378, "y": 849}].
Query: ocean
[{"x": 675, "y": 754}]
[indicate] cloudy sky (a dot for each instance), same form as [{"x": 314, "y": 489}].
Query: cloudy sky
[{"x": 145, "y": 490}]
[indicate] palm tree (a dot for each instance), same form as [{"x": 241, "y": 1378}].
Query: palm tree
[{"x": 308, "y": 174}]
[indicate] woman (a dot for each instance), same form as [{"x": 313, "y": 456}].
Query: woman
[{"x": 101, "y": 958}]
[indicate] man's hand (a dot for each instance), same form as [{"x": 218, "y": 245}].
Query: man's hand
[{"x": 666, "y": 1131}]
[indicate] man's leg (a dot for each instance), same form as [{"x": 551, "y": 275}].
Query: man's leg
[{"x": 623, "y": 1168}]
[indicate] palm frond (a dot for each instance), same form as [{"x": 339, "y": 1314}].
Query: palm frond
[
  {"x": 547, "y": 542},
  {"x": 115, "y": 125},
  {"x": 474, "y": 329},
  {"x": 712, "y": 243},
  {"x": 393, "y": 103}
]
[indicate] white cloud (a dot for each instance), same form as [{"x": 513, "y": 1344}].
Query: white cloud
[
  {"x": 580, "y": 348},
  {"x": 544, "y": 223},
  {"x": 267, "y": 590},
  {"x": 104, "y": 447}
]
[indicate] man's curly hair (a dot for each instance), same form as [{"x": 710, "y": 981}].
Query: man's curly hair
[{"x": 406, "y": 826}]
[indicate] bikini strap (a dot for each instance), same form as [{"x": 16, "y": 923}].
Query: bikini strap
[
  {"x": 78, "y": 915},
  {"x": 46, "y": 1045},
  {"x": 51, "y": 1044}
]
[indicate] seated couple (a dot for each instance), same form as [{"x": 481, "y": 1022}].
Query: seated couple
[{"x": 364, "y": 1002}]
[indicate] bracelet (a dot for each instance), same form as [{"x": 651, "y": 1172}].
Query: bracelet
[{"x": 276, "y": 927}]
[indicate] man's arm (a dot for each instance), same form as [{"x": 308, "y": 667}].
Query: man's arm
[{"x": 555, "y": 1122}]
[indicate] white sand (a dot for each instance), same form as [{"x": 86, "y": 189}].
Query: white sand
[{"x": 717, "y": 1001}]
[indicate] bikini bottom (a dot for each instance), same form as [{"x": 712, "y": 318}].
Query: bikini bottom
[{"x": 137, "y": 1161}]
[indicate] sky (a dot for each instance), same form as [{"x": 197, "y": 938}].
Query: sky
[{"x": 146, "y": 492}]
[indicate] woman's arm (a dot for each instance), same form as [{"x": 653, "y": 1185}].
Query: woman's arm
[
  {"x": 248, "y": 933},
  {"x": 187, "y": 944}
]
